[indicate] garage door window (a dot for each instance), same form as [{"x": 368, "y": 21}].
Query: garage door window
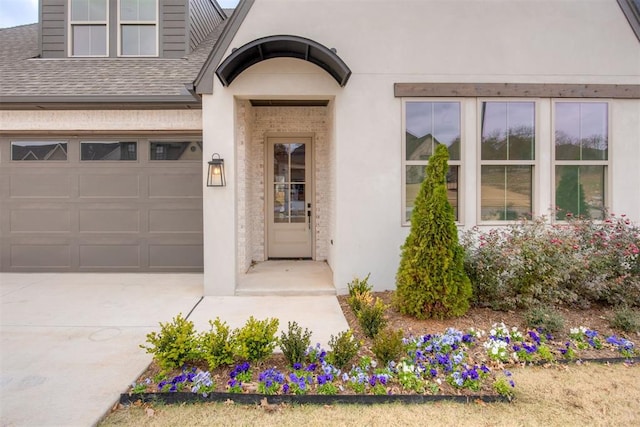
[
  {"x": 38, "y": 150},
  {"x": 176, "y": 150},
  {"x": 108, "y": 150}
]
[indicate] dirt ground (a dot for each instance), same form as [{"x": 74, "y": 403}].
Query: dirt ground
[{"x": 597, "y": 319}]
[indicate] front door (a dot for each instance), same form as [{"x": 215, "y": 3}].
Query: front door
[{"x": 289, "y": 198}]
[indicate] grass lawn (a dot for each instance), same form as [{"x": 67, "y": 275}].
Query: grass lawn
[{"x": 565, "y": 395}]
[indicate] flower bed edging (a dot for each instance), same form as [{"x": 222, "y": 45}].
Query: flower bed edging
[{"x": 310, "y": 399}]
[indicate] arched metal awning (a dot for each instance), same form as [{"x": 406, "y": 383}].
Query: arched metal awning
[{"x": 283, "y": 46}]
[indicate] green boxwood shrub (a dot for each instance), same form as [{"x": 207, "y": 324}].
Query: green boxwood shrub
[
  {"x": 175, "y": 344},
  {"x": 257, "y": 339},
  {"x": 294, "y": 343},
  {"x": 219, "y": 345}
]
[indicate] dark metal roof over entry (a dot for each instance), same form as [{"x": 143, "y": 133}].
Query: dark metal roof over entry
[{"x": 282, "y": 47}]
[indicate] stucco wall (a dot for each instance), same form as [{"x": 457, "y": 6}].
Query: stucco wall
[{"x": 553, "y": 41}]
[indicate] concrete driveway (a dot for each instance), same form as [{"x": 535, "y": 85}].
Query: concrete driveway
[{"x": 70, "y": 341}]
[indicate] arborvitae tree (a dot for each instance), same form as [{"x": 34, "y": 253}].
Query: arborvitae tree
[
  {"x": 570, "y": 195},
  {"x": 431, "y": 281}
]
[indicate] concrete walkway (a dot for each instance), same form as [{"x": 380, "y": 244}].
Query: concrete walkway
[{"x": 69, "y": 342}]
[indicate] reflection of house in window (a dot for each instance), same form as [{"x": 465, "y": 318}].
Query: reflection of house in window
[
  {"x": 107, "y": 150},
  {"x": 38, "y": 150},
  {"x": 187, "y": 150}
]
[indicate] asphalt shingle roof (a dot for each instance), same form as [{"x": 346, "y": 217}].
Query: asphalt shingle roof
[{"x": 24, "y": 75}]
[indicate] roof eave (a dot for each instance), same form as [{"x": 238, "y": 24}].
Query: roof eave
[
  {"x": 632, "y": 15},
  {"x": 159, "y": 102},
  {"x": 204, "y": 81}
]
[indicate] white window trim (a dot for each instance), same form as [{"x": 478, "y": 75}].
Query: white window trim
[
  {"x": 405, "y": 162},
  {"x": 534, "y": 163},
  {"x": 606, "y": 163},
  {"x": 156, "y": 23},
  {"x": 73, "y": 23}
]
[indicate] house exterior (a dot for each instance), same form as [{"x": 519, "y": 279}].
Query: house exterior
[{"x": 325, "y": 114}]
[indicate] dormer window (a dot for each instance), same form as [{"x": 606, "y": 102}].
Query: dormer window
[
  {"x": 138, "y": 28},
  {"x": 89, "y": 27}
]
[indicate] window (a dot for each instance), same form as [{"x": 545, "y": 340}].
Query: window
[
  {"x": 108, "y": 150},
  {"x": 581, "y": 158},
  {"x": 138, "y": 25},
  {"x": 428, "y": 124},
  {"x": 38, "y": 150},
  {"x": 188, "y": 150},
  {"x": 88, "y": 27},
  {"x": 507, "y": 147}
]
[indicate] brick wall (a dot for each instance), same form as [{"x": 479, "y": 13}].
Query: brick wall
[{"x": 253, "y": 126}]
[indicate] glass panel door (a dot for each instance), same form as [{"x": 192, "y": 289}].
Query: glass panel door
[{"x": 289, "y": 198}]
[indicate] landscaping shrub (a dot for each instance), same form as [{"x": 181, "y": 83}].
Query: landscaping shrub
[
  {"x": 371, "y": 317},
  {"x": 257, "y": 339},
  {"x": 576, "y": 263},
  {"x": 294, "y": 343},
  {"x": 388, "y": 345},
  {"x": 626, "y": 319},
  {"x": 357, "y": 286},
  {"x": 175, "y": 344},
  {"x": 218, "y": 346},
  {"x": 359, "y": 293},
  {"x": 545, "y": 319},
  {"x": 344, "y": 348},
  {"x": 431, "y": 280}
]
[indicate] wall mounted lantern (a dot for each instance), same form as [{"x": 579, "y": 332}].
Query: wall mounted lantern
[{"x": 216, "y": 177}]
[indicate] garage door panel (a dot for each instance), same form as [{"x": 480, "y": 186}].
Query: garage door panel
[
  {"x": 114, "y": 185},
  {"x": 176, "y": 185},
  {"x": 40, "y": 256},
  {"x": 109, "y": 221},
  {"x": 114, "y": 256},
  {"x": 176, "y": 256},
  {"x": 41, "y": 185},
  {"x": 175, "y": 221},
  {"x": 40, "y": 220}
]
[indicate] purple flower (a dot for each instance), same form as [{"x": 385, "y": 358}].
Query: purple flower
[
  {"x": 297, "y": 366},
  {"x": 372, "y": 380},
  {"x": 534, "y": 337}
]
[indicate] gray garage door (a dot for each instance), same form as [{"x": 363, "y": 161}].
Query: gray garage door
[{"x": 101, "y": 204}]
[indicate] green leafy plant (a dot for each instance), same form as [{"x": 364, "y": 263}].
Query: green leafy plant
[
  {"x": 359, "y": 286},
  {"x": 431, "y": 280},
  {"x": 371, "y": 318},
  {"x": 359, "y": 293},
  {"x": 504, "y": 385},
  {"x": 257, "y": 339},
  {"x": 344, "y": 348},
  {"x": 218, "y": 346},
  {"x": 175, "y": 344},
  {"x": 546, "y": 319},
  {"x": 387, "y": 345},
  {"x": 626, "y": 319},
  {"x": 294, "y": 343}
]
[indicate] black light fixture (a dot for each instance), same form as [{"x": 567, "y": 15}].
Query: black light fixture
[{"x": 216, "y": 172}]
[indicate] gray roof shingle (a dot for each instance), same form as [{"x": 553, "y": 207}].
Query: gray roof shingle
[{"x": 22, "y": 75}]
